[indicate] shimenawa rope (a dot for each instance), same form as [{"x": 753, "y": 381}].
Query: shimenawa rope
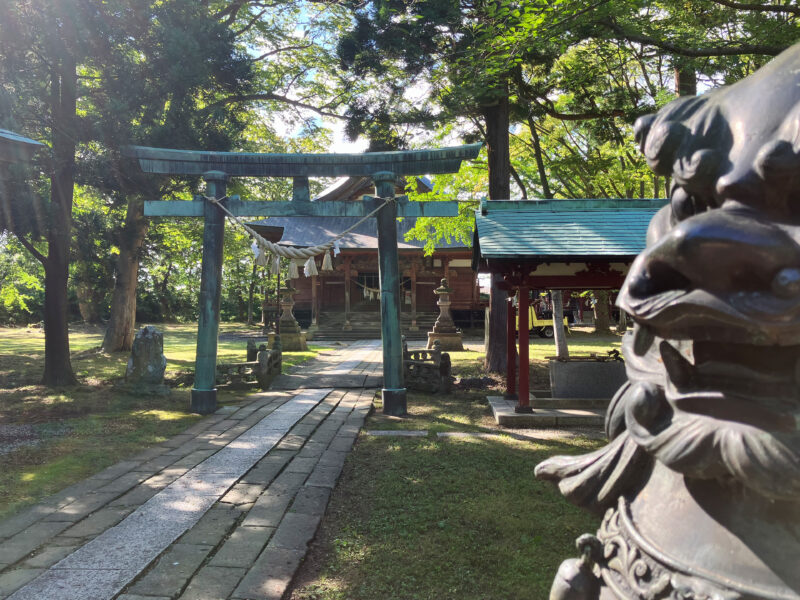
[{"x": 288, "y": 251}]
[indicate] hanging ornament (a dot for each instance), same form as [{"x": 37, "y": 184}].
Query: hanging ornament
[
  {"x": 262, "y": 260},
  {"x": 310, "y": 268},
  {"x": 293, "y": 274},
  {"x": 327, "y": 262},
  {"x": 276, "y": 263},
  {"x": 336, "y": 249}
]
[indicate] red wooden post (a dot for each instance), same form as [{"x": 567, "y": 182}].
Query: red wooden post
[
  {"x": 511, "y": 351},
  {"x": 523, "y": 405}
]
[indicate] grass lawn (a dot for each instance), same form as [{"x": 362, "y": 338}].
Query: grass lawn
[
  {"x": 50, "y": 438},
  {"x": 441, "y": 518}
]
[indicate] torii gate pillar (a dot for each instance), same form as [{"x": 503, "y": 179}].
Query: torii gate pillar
[
  {"x": 204, "y": 391},
  {"x": 394, "y": 391}
]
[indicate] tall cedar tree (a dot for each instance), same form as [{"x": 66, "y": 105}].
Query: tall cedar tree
[{"x": 88, "y": 76}]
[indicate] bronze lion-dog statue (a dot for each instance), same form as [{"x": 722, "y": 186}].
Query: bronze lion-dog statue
[{"x": 700, "y": 482}]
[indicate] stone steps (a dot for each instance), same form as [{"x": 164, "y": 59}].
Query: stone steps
[
  {"x": 367, "y": 326},
  {"x": 562, "y": 403}
]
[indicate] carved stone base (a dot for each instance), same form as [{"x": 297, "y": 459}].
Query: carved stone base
[
  {"x": 293, "y": 342},
  {"x": 449, "y": 341}
]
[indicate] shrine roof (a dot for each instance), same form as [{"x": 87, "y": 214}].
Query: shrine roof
[
  {"x": 536, "y": 229},
  {"x": 310, "y": 231},
  {"x": 15, "y": 147}
]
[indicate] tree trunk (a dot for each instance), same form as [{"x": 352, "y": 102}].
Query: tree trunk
[
  {"x": 57, "y": 365},
  {"x": 559, "y": 336},
  {"x": 498, "y": 314},
  {"x": 685, "y": 78},
  {"x": 497, "y": 124},
  {"x": 166, "y": 313},
  {"x": 602, "y": 319},
  {"x": 622, "y": 322},
  {"x": 537, "y": 154},
  {"x": 120, "y": 332}
]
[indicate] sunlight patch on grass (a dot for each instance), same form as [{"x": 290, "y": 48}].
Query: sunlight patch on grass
[{"x": 163, "y": 415}]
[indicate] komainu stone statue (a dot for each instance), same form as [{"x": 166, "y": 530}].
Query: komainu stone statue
[{"x": 700, "y": 483}]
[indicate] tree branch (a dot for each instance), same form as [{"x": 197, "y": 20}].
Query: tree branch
[
  {"x": 270, "y": 97},
  {"x": 519, "y": 183},
  {"x": 693, "y": 52},
  {"x": 32, "y": 249},
  {"x": 279, "y": 50},
  {"x": 584, "y": 116},
  {"x": 776, "y": 8}
]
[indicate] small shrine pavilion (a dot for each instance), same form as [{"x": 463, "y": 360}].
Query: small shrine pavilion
[
  {"x": 556, "y": 245},
  {"x": 348, "y": 299}
]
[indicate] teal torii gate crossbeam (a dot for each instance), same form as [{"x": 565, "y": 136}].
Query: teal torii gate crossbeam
[{"x": 217, "y": 167}]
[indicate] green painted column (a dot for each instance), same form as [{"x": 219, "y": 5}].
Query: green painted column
[
  {"x": 394, "y": 391},
  {"x": 204, "y": 391}
]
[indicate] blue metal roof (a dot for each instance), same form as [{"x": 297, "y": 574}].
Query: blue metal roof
[{"x": 563, "y": 228}]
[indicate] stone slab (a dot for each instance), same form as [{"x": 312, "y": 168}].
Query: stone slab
[
  {"x": 49, "y": 556},
  {"x": 342, "y": 443},
  {"x": 303, "y": 382},
  {"x": 80, "y": 508},
  {"x": 116, "y": 470},
  {"x": 211, "y": 528},
  {"x": 28, "y": 540},
  {"x": 332, "y": 458},
  {"x": 586, "y": 379},
  {"x": 312, "y": 449},
  {"x": 78, "y": 584},
  {"x": 270, "y": 575},
  {"x": 242, "y": 547},
  {"x": 301, "y": 465},
  {"x": 295, "y": 532},
  {"x": 397, "y": 432},
  {"x": 288, "y": 482},
  {"x": 172, "y": 571},
  {"x": 243, "y": 493},
  {"x": 311, "y": 500},
  {"x": 504, "y": 415},
  {"x": 97, "y": 523},
  {"x": 11, "y": 581},
  {"x": 267, "y": 511},
  {"x": 213, "y": 583},
  {"x": 324, "y": 476},
  {"x": 268, "y": 468}
]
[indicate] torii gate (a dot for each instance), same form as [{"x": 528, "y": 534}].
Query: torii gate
[{"x": 217, "y": 167}]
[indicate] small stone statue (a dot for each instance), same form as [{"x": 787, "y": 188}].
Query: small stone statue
[
  {"x": 147, "y": 363},
  {"x": 700, "y": 482}
]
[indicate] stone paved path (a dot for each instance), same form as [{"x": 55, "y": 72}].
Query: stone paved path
[
  {"x": 224, "y": 510},
  {"x": 362, "y": 368}
]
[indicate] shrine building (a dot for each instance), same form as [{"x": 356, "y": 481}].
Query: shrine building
[
  {"x": 345, "y": 303},
  {"x": 586, "y": 244}
]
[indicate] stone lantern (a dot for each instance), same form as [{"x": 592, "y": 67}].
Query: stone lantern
[
  {"x": 292, "y": 339},
  {"x": 444, "y": 330}
]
